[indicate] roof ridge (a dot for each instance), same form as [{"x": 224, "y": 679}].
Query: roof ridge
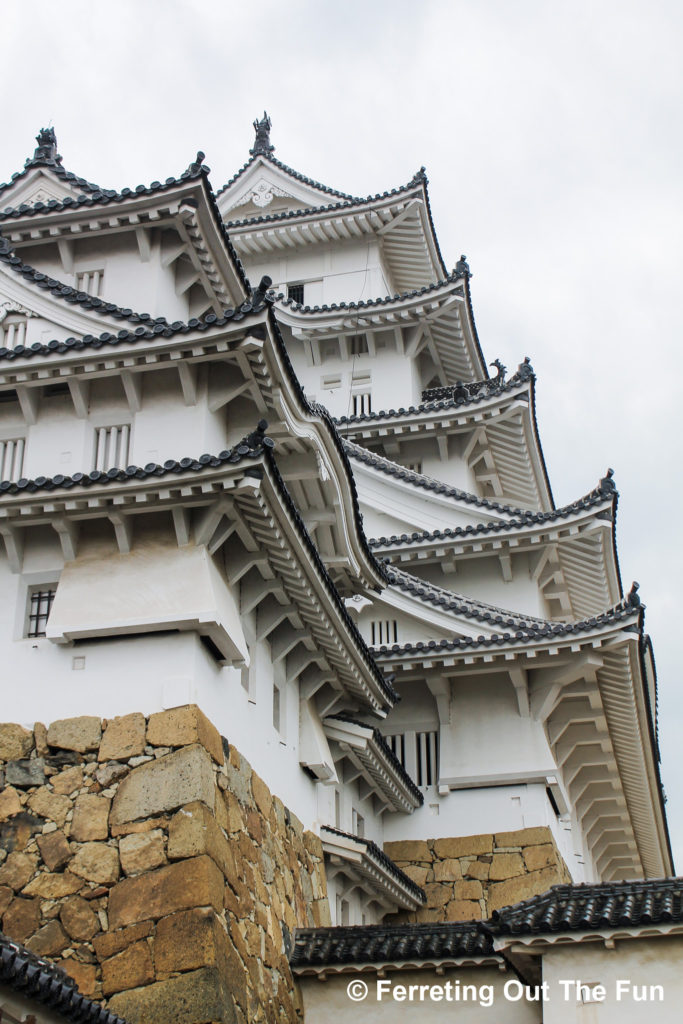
[
  {"x": 456, "y": 275},
  {"x": 303, "y": 178},
  {"x": 385, "y": 465},
  {"x": 605, "y": 491}
]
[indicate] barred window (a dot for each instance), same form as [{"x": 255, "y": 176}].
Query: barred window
[
  {"x": 295, "y": 292},
  {"x": 12, "y": 458},
  {"x": 39, "y": 606},
  {"x": 13, "y": 332},
  {"x": 90, "y": 281},
  {"x": 361, "y": 403},
  {"x": 383, "y": 631},
  {"x": 112, "y": 447}
]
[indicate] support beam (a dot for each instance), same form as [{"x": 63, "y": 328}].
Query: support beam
[
  {"x": 132, "y": 385},
  {"x": 520, "y": 680},
  {"x": 182, "y": 524},
  {"x": 188, "y": 382},
  {"x": 144, "y": 244},
  {"x": 123, "y": 528},
  {"x": 66, "y": 254},
  {"x": 14, "y": 543},
  {"x": 28, "y": 400},
  {"x": 67, "y": 531},
  {"x": 80, "y": 394}
]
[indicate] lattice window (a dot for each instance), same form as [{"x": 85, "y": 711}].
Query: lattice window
[
  {"x": 12, "y": 458},
  {"x": 295, "y": 292},
  {"x": 112, "y": 447},
  {"x": 383, "y": 631},
  {"x": 90, "y": 281},
  {"x": 416, "y": 467},
  {"x": 39, "y": 606},
  {"x": 13, "y": 332},
  {"x": 361, "y": 403},
  {"x": 427, "y": 757}
]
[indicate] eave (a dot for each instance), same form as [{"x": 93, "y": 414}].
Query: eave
[
  {"x": 368, "y": 754},
  {"x": 364, "y": 864}
]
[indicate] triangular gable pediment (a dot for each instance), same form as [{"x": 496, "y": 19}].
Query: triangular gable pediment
[
  {"x": 39, "y": 185},
  {"x": 266, "y": 188}
]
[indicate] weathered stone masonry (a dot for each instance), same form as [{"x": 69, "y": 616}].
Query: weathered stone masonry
[
  {"x": 147, "y": 858},
  {"x": 468, "y": 877}
]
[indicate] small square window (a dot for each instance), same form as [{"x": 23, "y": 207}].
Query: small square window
[
  {"x": 112, "y": 447},
  {"x": 295, "y": 292},
  {"x": 90, "y": 281},
  {"x": 39, "y": 606}
]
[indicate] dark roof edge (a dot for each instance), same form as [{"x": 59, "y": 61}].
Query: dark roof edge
[
  {"x": 539, "y": 446},
  {"x": 288, "y": 170},
  {"x": 653, "y": 728},
  {"x": 475, "y": 333},
  {"x": 37, "y": 978},
  {"x": 386, "y": 862},
  {"x": 387, "y": 751}
]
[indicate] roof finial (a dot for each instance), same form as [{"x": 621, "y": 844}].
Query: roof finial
[
  {"x": 46, "y": 150},
  {"x": 462, "y": 267},
  {"x": 262, "y": 146}
]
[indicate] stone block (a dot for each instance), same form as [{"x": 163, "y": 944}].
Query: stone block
[
  {"x": 463, "y": 910},
  {"x": 18, "y": 831},
  {"x": 506, "y": 865},
  {"x": 163, "y": 785},
  {"x": 40, "y": 737},
  {"x": 477, "y": 869},
  {"x": 502, "y": 894},
  {"x": 54, "y": 886},
  {"x": 463, "y": 846},
  {"x": 129, "y": 969},
  {"x": 193, "y": 831},
  {"x": 21, "y": 919},
  {"x": 15, "y": 741},
  {"x": 109, "y": 773},
  {"x": 25, "y": 773},
  {"x": 542, "y": 856},
  {"x": 50, "y": 805},
  {"x": 427, "y": 915},
  {"x": 18, "y": 869},
  {"x": 10, "y": 804},
  {"x": 418, "y": 874},
  {"x": 78, "y": 919},
  {"x": 85, "y": 975},
  {"x": 408, "y": 850},
  {"x": 524, "y": 837},
  {"x": 143, "y": 851},
  {"x": 196, "y": 996},
  {"x": 54, "y": 849},
  {"x": 48, "y": 940},
  {"x": 180, "y": 727},
  {"x": 438, "y": 894},
  {"x": 189, "y": 883},
  {"x": 91, "y": 818},
  {"x": 262, "y": 795},
  {"x": 68, "y": 781},
  {"x": 188, "y": 940},
  {"x": 110, "y": 943},
  {"x": 6, "y": 897},
  {"x": 123, "y": 737},
  {"x": 96, "y": 862},
  {"x": 79, "y": 734},
  {"x": 468, "y": 890},
  {"x": 129, "y": 828},
  {"x": 447, "y": 870}
]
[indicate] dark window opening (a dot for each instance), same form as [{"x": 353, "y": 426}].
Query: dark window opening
[
  {"x": 40, "y": 605},
  {"x": 295, "y": 292}
]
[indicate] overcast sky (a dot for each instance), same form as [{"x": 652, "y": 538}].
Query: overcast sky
[{"x": 551, "y": 136}]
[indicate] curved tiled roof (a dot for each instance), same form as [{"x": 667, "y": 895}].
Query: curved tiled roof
[
  {"x": 533, "y": 630},
  {"x": 376, "y": 944},
  {"x": 444, "y": 599},
  {"x": 457, "y": 275},
  {"x": 568, "y": 908},
  {"x": 346, "y": 204},
  {"x": 604, "y": 491},
  {"x": 39, "y": 980},
  {"x": 96, "y": 196},
  {"x": 428, "y": 483},
  {"x": 381, "y": 858},
  {"x": 459, "y": 394},
  {"x": 288, "y": 170},
  {"x": 386, "y": 751}
]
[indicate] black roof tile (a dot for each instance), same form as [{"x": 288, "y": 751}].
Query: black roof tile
[
  {"x": 380, "y": 857},
  {"x": 376, "y": 944},
  {"x": 39, "y": 979},
  {"x": 568, "y": 908},
  {"x": 386, "y": 300},
  {"x": 387, "y": 752},
  {"x": 603, "y": 492}
]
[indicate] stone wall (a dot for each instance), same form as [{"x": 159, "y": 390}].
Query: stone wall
[
  {"x": 149, "y": 860},
  {"x": 468, "y": 877}
]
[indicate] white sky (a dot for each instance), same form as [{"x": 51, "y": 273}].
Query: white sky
[{"x": 549, "y": 133}]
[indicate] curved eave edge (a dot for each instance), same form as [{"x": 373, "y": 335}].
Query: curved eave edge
[
  {"x": 539, "y": 446},
  {"x": 296, "y": 175},
  {"x": 645, "y": 644}
]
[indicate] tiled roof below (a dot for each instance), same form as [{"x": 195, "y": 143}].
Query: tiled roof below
[
  {"x": 375, "y": 944},
  {"x": 570, "y": 908},
  {"x": 39, "y": 980}
]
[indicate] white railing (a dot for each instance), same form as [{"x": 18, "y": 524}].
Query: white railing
[{"x": 12, "y": 459}]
